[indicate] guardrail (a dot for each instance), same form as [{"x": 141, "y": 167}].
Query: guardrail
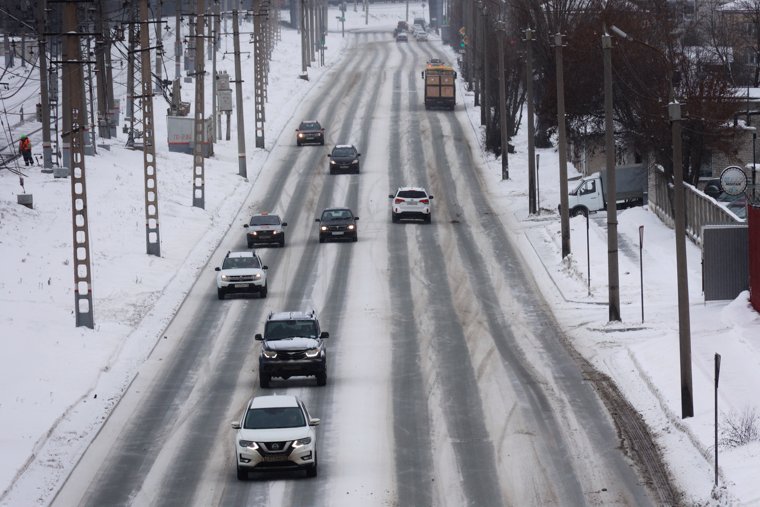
[{"x": 701, "y": 209}]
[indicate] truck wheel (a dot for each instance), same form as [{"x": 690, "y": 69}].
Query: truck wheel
[
  {"x": 580, "y": 210},
  {"x": 263, "y": 292},
  {"x": 312, "y": 470}
]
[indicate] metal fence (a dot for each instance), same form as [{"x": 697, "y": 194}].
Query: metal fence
[{"x": 701, "y": 210}]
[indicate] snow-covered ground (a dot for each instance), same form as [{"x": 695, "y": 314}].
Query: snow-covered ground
[{"x": 60, "y": 382}]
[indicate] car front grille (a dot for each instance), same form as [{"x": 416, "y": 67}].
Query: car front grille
[
  {"x": 267, "y": 448},
  {"x": 240, "y": 278},
  {"x": 289, "y": 356}
]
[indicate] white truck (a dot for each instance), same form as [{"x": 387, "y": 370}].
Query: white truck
[{"x": 590, "y": 194}]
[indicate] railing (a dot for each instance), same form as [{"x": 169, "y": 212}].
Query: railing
[{"x": 701, "y": 209}]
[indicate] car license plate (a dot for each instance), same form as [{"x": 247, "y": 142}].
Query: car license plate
[
  {"x": 242, "y": 285},
  {"x": 411, "y": 201},
  {"x": 337, "y": 233},
  {"x": 275, "y": 457}
]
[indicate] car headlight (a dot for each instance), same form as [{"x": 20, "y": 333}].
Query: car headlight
[
  {"x": 257, "y": 276},
  {"x": 332, "y": 162},
  {"x": 300, "y": 135},
  {"x": 248, "y": 444},
  {"x": 354, "y": 162},
  {"x": 269, "y": 354},
  {"x": 312, "y": 353},
  {"x": 276, "y": 232},
  {"x": 301, "y": 442},
  {"x": 225, "y": 278},
  {"x": 253, "y": 233},
  {"x": 351, "y": 227},
  {"x": 323, "y": 228}
]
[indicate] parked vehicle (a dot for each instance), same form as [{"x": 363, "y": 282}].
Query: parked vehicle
[
  {"x": 275, "y": 433},
  {"x": 590, "y": 194}
]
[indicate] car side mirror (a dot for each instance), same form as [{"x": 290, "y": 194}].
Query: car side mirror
[
  {"x": 317, "y": 220},
  {"x": 356, "y": 218},
  {"x": 390, "y": 196},
  {"x": 324, "y": 334},
  {"x": 328, "y": 155},
  {"x": 430, "y": 197},
  {"x": 264, "y": 267},
  {"x": 314, "y": 421},
  {"x": 422, "y": 74},
  {"x": 217, "y": 268},
  {"x": 236, "y": 425},
  {"x": 245, "y": 225},
  {"x": 358, "y": 154},
  {"x": 258, "y": 337},
  {"x": 284, "y": 224}
]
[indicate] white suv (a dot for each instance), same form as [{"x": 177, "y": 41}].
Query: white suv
[
  {"x": 241, "y": 272},
  {"x": 410, "y": 202},
  {"x": 275, "y": 433}
]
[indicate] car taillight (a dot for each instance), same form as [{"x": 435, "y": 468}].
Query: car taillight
[
  {"x": 398, "y": 200},
  {"x": 425, "y": 201}
]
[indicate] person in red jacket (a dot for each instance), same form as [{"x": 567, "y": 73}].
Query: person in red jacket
[{"x": 25, "y": 149}]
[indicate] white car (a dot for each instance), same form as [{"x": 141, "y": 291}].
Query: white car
[
  {"x": 275, "y": 433},
  {"x": 241, "y": 272},
  {"x": 421, "y": 36},
  {"x": 410, "y": 202}
]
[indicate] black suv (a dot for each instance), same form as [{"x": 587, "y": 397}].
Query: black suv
[
  {"x": 344, "y": 157},
  {"x": 292, "y": 345},
  {"x": 265, "y": 228},
  {"x": 337, "y": 223},
  {"x": 310, "y": 131}
]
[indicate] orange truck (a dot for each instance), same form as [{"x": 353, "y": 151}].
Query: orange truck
[{"x": 440, "y": 89}]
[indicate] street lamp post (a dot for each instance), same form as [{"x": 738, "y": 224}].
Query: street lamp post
[{"x": 684, "y": 326}]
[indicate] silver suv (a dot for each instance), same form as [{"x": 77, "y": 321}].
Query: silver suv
[
  {"x": 241, "y": 272},
  {"x": 410, "y": 202}
]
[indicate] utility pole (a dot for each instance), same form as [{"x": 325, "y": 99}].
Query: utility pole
[
  {"x": 259, "y": 59},
  {"x": 177, "y": 40},
  {"x": 504, "y": 121},
  {"x": 485, "y": 66},
  {"x": 529, "y": 35},
  {"x": 212, "y": 56},
  {"x": 242, "y": 168},
  {"x": 609, "y": 146},
  {"x": 199, "y": 126},
  {"x": 73, "y": 135},
  {"x": 564, "y": 212},
  {"x": 131, "y": 76},
  {"x": 304, "y": 38},
  {"x": 101, "y": 46},
  {"x": 679, "y": 219},
  {"x": 159, "y": 44},
  {"x": 215, "y": 41},
  {"x": 47, "y": 155},
  {"x": 152, "y": 238}
]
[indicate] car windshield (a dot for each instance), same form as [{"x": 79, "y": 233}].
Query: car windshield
[
  {"x": 241, "y": 262},
  {"x": 412, "y": 194},
  {"x": 344, "y": 152},
  {"x": 274, "y": 417},
  {"x": 310, "y": 125},
  {"x": 336, "y": 214},
  {"x": 283, "y": 329},
  {"x": 265, "y": 220}
]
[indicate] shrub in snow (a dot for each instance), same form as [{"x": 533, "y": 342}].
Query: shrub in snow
[{"x": 740, "y": 429}]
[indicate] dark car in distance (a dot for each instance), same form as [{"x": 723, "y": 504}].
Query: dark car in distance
[
  {"x": 310, "y": 131},
  {"x": 337, "y": 223},
  {"x": 344, "y": 158}
]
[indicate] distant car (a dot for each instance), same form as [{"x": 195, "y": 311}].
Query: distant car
[
  {"x": 275, "y": 433},
  {"x": 713, "y": 188},
  {"x": 410, "y": 202},
  {"x": 241, "y": 272},
  {"x": 344, "y": 157},
  {"x": 292, "y": 346},
  {"x": 419, "y": 22},
  {"x": 421, "y": 36},
  {"x": 337, "y": 223},
  {"x": 265, "y": 229},
  {"x": 402, "y": 37},
  {"x": 310, "y": 131}
]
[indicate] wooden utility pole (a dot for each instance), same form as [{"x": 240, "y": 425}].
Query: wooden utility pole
[
  {"x": 504, "y": 121},
  {"x": 73, "y": 136},
  {"x": 561, "y": 128},
  {"x": 529, "y": 37},
  {"x": 152, "y": 238},
  {"x": 259, "y": 59}
]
